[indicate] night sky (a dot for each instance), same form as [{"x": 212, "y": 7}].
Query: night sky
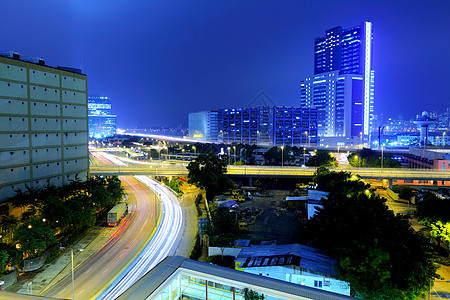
[{"x": 159, "y": 60}]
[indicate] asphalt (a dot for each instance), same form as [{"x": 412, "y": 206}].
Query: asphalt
[{"x": 93, "y": 241}]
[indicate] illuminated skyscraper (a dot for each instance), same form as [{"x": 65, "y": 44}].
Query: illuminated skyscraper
[
  {"x": 342, "y": 88},
  {"x": 101, "y": 122}
]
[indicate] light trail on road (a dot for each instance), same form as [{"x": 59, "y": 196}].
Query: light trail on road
[{"x": 162, "y": 244}]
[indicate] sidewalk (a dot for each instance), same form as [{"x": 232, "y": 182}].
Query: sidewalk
[
  {"x": 52, "y": 273},
  {"x": 190, "y": 221}
]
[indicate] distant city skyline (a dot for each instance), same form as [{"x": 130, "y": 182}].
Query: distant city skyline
[{"x": 158, "y": 61}]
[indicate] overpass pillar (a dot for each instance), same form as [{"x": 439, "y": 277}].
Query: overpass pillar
[
  {"x": 390, "y": 183},
  {"x": 250, "y": 181}
]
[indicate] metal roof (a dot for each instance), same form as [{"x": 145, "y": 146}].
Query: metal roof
[
  {"x": 310, "y": 258},
  {"x": 150, "y": 282}
]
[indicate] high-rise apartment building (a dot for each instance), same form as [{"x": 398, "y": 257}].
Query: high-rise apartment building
[
  {"x": 102, "y": 123},
  {"x": 342, "y": 88},
  {"x": 43, "y": 124}
]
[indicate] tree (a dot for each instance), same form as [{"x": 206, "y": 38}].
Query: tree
[
  {"x": 3, "y": 260},
  {"x": 208, "y": 172},
  {"x": 15, "y": 257},
  {"x": 252, "y": 295},
  {"x": 221, "y": 228},
  {"x": 432, "y": 209},
  {"x": 404, "y": 192},
  {"x": 377, "y": 252},
  {"x": 34, "y": 237},
  {"x": 441, "y": 232},
  {"x": 369, "y": 158},
  {"x": 175, "y": 184},
  {"x": 322, "y": 158}
]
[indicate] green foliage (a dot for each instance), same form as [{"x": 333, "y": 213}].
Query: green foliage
[
  {"x": 275, "y": 154},
  {"x": 8, "y": 224},
  {"x": 223, "y": 222},
  {"x": 441, "y": 232},
  {"x": 34, "y": 240},
  {"x": 15, "y": 257},
  {"x": 252, "y": 295},
  {"x": 221, "y": 230},
  {"x": 404, "y": 192},
  {"x": 378, "y": 253},
  {"x": 371, "y": 159},
  {"x": 208, "y": 172},
  {"x": 175, "y": 184},
  {"x": 197, "y": 250},
  {"x": 432, "y": 209},
  {"x": 3, "y": 260},
  {"x": 322, "y": 158}
]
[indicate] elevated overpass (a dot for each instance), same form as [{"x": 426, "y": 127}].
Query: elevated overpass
[{"x": 264, "y": 171}]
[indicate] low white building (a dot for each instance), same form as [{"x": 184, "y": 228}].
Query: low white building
[{"x": 293, "y": 263}]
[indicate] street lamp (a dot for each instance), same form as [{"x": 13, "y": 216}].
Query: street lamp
[
  {"x": 315, "y": 158},
  {"x": 282, "y": 156},
  {"x": 228, "y": 148},
  {"x": 357, "y": 158},
  {"x": 360, "y": 134},
  {"x": 382, "y": 156},
  {"x": 443, "y": 140},
  {"x": 304, "y": 157},
  {"x": 234, "y": 150},
  {"x": 73, "y": 281},
  {"x": 195, "y": 153}
]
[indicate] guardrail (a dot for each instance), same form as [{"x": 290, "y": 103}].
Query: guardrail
[{"x": 263, "y": 171}]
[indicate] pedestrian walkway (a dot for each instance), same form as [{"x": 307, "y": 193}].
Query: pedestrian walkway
[{"x": 55, "y": 271}]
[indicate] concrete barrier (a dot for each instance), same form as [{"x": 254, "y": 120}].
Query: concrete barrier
[
  {"x": 214, "y": 251},
  {"x": 9, "y": 279}
]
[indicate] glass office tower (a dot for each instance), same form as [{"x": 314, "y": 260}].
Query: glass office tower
[
  {"x": 101, "y": 122},
  {"x": 342, "y": 88}
]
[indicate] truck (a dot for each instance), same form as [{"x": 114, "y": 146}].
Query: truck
[{"x": 116, "y": 214}]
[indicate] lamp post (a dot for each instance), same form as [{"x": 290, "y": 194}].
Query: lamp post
[
  {"x": 304, "y": 157},
  {"x": 382, "y": 156},
  {"x": 73, "y": 280},
  {"x": 195, "y": 150},
  {"x": 282, "y": 156},
  {"x": 234, "y": 150},
  {"x": 357, "y": 158},
  {"x": 228, "y": 148},
  {"x": 443, "y": 140},
  {"x": 315, "y": 158},
  {"x": 360, "y": 135}
]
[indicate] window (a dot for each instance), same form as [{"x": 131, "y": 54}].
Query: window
[{"x": 317, "y": 283}]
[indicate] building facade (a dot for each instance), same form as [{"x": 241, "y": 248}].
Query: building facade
[
  {"x": 246, "y": 125},
  {"x": 102, "y": 123},
  {"x": 342, "y": 88},
  {"x": 262, "y": 125},
  {"x": 43, "y": 124},
  {"x": 294, "y": 263},
  {"x": 294, "y": 126},
  {"x": 204, "y": 125}
]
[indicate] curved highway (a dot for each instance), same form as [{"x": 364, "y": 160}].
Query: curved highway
[
  {"x": 135, "y": 247},
  {"x": 129, "y": 238}
]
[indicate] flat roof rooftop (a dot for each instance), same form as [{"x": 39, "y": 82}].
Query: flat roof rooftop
[{"x": 158, "y": 276}]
